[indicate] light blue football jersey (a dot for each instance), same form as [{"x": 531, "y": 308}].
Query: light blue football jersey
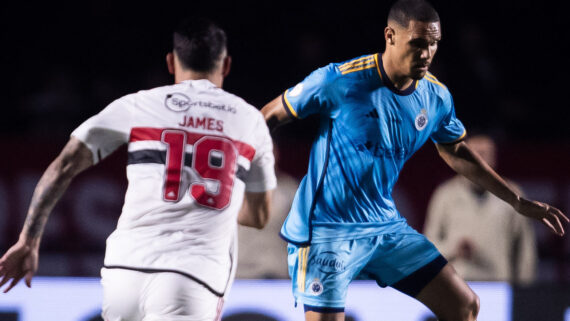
[{"x": 368, "y": 130}]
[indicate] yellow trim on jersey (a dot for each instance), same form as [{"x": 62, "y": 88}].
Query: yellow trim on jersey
[
  {"x": 458, "y": 139},
  {"x": 302, "y": 274},
  {"x": 288, "y": 104},
  {"x": 358, "y": 65},
  {"x": 377, "y": 65},
  {"x": 462, "y": 135},
  {"x": 434, "y": 81},
  {"x": 360, "y": 68},
  {"x": 354, "y": 62}
]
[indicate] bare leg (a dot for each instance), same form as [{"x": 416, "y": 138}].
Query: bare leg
[
  {"x": 449, "y": 297},
  {"x": 316, "y": 316}
]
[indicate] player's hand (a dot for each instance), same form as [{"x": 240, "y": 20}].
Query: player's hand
[
  {"x": 548, "y": 215},
  {"x": 20, "y": 261}
]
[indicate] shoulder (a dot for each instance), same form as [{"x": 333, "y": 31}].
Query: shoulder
[
  {"x": 146, "y": 94},
  {"x": 354, "y": 66},
  {"x": 126, "y": 102},
  {"x": 156, "y": 90},
  {"x": 434, "y": 86},
  {"x": 238, "y": 103},
  {"x": 322, "y": 76},
  {"x": 435, "y": 89},
  {"x": 335, "y": 76},
  {"x": 243, "y": 114},
  {"x": 451, "y": 186}
]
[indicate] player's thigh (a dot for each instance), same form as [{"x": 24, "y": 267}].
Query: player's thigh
[
  {"x": 322, "y": 272},
  {"x": 406, "y": 261},
  {"x": 449, "y": 297},
  {"x": 121, "y": 293},
  {"x": 172, "y": 297}
]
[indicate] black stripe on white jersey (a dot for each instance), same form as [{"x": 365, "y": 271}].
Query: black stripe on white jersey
[{"x": 152, "y": 156}]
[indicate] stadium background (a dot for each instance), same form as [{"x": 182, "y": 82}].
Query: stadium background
[{"x": 504, "y": 62}]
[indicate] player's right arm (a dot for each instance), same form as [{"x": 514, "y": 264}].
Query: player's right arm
[
  {"x": 255, "y": 209},
  {"x": 310, "y": 96},
  {"x": 92, "y": 141},
  {"x": 21, "y": 260},
  {"x": 275, "y": 114}
]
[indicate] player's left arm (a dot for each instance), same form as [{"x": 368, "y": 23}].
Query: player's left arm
[
  {"x": 467, "y": 163},
  {"x": 260, "y": 179}
]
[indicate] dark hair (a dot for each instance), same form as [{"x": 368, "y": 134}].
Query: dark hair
[
  {"x": 199, "y": 44},
  {"x": 402, "y": 11}
]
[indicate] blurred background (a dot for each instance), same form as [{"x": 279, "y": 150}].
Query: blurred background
[{"x": 505, "y": 62}]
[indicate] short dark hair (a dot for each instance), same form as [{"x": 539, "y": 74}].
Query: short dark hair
[
  {"x": 402, "y": 11},
  {"x": 199, "y": 44}
]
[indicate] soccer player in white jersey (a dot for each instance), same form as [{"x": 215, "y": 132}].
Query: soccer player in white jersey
[{"x": 194, "y": 151}]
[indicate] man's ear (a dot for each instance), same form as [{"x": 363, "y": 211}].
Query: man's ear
[
  {"x": 227, "y": 65},
  {"x": 170, "y": 62},
  {"x": 389, "y": 35}
]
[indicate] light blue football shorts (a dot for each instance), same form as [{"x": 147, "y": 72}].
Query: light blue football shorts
[{"x": 321, "y": 272}]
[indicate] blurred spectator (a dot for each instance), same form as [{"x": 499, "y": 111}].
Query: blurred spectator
[
  {"x": 262, "y": 254},
  {"x": 482, "y": 236}
]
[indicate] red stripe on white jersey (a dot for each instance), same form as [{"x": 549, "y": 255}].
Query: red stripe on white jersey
[
  {"x": 219, "y": 309},
  {"x": 155, "y": 134}
]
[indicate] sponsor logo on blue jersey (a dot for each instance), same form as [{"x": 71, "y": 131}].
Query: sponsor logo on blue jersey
[{"x": 327, "y": 262}]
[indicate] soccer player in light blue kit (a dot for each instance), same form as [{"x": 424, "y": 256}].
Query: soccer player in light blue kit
[{"x": 375, "y": 112}]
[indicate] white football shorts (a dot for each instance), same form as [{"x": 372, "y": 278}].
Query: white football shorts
[{"x": 130, "y": 295}]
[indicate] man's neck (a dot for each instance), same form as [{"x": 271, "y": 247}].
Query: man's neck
[
  {"x": 182, "y": 75},
  {"x": 399, "y": 81}
]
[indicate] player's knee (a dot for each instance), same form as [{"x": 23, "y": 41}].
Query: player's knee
[
  {"x": 466, "y": 310},
  {"x": 470, "y": 307},
  {"x": 475, "y": 306}
]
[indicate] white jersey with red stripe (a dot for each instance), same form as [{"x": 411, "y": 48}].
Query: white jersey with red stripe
[{"x": 193, "y": 151}]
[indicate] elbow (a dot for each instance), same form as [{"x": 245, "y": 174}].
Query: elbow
[
  {"x": 256, "y": 219},
  {"x": 61, "y": 169},
  {"x": 67, "y": 168},
  {"x": 272, "y": 123},
  {"x": 255, "y": 210},
  {"x": 262, "y": 219}
]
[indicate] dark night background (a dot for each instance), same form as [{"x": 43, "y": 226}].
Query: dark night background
[{"x": 505, "y": 62}]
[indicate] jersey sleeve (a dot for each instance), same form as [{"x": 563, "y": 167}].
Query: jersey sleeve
[
  {"x": 450, "y": 129},
  {"x": 109, "y": 129},
  {"x": 311, "y": 96},
  {"x": 261, "y": 175}
]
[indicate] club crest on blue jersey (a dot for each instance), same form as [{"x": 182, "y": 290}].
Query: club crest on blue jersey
[
  {"x": 177, "y": 102},
  {"x": 421, "y": 120},
  {"x": 316, "y": 287}
]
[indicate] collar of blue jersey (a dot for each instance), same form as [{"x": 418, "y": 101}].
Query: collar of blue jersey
[{"x": 389, "y": 83}]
